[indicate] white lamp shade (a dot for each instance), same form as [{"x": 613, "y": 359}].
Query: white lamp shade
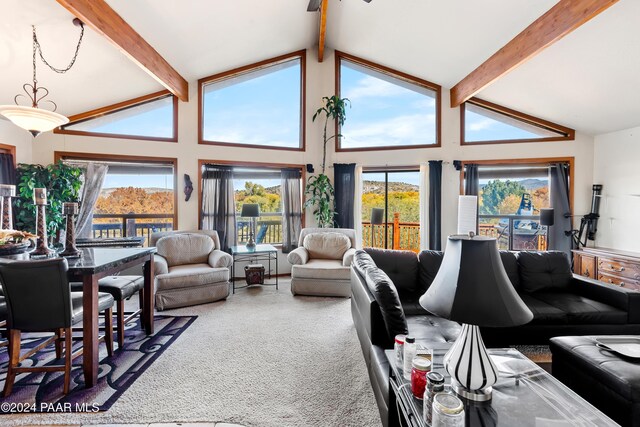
[{"x": 35, "y": 120}]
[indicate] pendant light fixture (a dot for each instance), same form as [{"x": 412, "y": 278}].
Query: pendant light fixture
[{"x": 35, "y": 119}]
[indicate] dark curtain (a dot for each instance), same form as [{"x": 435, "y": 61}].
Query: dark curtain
[
  {"x": 435, "y": 205},
  {"x": 344, "y": 177},
  {"x": 559, "y": 189},
  {"x": 471, "y": 180},
  {"x": 290, "y": 189},
  {"x": 218, "y": 211},
  {"x": 7, "y": 169}
]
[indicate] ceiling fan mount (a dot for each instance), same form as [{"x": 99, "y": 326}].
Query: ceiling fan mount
[{"x": 314, "y": 5}]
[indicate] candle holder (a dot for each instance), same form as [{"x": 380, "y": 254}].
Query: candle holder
[
  {"x": 40, "y": 200},
  {"x": 6, "y": 193},
  {"x": 70, "y": 250}
]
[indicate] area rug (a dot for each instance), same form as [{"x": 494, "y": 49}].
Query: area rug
[{"x": 42, "y": 392}]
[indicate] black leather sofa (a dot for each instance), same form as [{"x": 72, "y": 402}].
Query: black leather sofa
[{"x": 386, "y": 286}]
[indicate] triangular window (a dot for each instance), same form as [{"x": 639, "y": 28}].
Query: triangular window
[
  {"x": 150, "y": 117},
  {"x": 486, "y": 123}
]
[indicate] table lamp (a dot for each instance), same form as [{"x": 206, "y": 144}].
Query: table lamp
[
  {"x": 376, "y": 219},
  {"x": 546, "y": 219},
  {"x": 472, "y": 288},
  {"x": 251, "y": 210}
]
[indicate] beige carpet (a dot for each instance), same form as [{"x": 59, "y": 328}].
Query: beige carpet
[{"x": 261, "y": 358}]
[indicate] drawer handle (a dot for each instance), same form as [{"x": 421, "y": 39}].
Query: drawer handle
[
  {"x": 621, "y": 283},
  {"x": 586, "y": 273},
  {"x": 612, "y": 267}
]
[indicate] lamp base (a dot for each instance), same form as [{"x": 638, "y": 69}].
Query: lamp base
[
  {"x": 251, "y": 243},
  {"x": 483, "y": 395},
  {"x": 472, "y": 370}
]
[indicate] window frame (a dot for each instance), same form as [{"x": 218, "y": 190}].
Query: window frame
[
  {"x": 386, "y": 170},
  {"x": 121, "y": 106},
  {"x": 246, "y": 69},
  {"x": 71, "y": 155},
  {"x": 569, "y": 134},
  {"x": 340, "y": 56},
  {"x": 258, "y": 165}
]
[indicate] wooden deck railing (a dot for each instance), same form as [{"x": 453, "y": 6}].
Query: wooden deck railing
[
  {"x": 127, "y": 225},
  {"x": 400, "y": 235}
]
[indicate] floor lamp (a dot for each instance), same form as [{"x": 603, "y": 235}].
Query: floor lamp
[
  {"x": 546, "y": 219},
  {"x": 376, "y": 219},
  {"x": 251, "y": 210}
]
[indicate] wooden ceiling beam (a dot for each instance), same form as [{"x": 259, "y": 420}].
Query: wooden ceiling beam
[
  {"x": 98, "y": 15},
  {"x": 323, "y": 29},
  {"x": 557, "y": 22}
]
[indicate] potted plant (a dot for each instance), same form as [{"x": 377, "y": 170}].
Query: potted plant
[
  {"x": 319, "y": 190},
  {"x": 63, "y": 183}
]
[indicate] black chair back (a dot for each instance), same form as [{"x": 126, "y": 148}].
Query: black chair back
[{"x": 37, "y": 293}]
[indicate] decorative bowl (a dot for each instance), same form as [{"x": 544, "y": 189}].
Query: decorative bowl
[{"x": 15, "y": 248}]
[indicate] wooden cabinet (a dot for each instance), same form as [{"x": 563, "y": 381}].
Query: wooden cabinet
[{"x": 619, "y": 268}]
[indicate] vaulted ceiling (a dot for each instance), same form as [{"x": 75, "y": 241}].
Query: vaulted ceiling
[{"x": 587, "y": 80}]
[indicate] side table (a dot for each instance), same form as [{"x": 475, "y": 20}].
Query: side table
[{"x": 259, "y": 253}]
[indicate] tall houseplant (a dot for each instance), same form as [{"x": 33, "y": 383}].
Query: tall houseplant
[
  {"x": 319, "y": 190},
  {"x": 63, "y": 183}
]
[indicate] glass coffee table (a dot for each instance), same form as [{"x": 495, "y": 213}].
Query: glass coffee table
[
  {"x": 525, "y": 396},
  {"x": 262, "y": 252}
]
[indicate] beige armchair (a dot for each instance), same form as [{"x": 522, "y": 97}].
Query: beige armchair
[
  {"x": 320, "y": 263},
  {"x": 190, "y": 268}
]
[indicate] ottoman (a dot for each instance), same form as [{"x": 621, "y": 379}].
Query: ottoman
[{"x": 609, "y": 382}]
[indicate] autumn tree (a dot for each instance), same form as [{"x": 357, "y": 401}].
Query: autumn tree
[{"x": 495, "y": 192}]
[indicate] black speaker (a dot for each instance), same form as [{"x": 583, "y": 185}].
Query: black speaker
[
  {"x": 309, "y": 168},
  {"x": 376, "y": 215},
  {"x": 546, "y": 217}
]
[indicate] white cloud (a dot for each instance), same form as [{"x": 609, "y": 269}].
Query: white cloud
[
  {"x": 483, "y": 124},
  {"x": 370, "y": 86},
  {"x": 414, "y": 129}
]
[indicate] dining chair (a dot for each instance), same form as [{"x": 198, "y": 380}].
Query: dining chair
[{"x": 39, "y": 299}]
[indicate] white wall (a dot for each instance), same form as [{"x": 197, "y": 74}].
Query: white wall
[
  {"x": 616, "y": 167},
  {"x": 320, "y": 82},
  {"x": 23, "y": 141}
]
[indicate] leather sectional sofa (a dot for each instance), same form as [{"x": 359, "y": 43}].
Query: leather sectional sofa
[{"x": 386, "y": 286}]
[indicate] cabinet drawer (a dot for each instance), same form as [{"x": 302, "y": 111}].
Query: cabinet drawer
[
  {"x": 587, "y": 266},
  {"x": 620, "y": 281},
  {"x": 619, "y": 268}
]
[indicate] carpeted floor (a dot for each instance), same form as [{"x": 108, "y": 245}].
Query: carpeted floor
[{"x": 261, "y": 358}]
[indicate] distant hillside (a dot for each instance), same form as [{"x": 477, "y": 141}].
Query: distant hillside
[
  {"x": 105, "y": 192},
  {"x": 530, "y": 184},
  {"x": 377, "y": 187}
]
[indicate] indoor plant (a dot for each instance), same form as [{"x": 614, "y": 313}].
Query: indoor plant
[
  {"x": 319, "y": 189},
  {"x": 63, "y": 183}
]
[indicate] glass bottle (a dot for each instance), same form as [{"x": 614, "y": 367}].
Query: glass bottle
[
  {"x": 408, "y": 355},
  {"x": 398, "y": 347},
  {"x": 419, "y": 376},
  {"x": 435, "y": 385},
  {"x": 448, "y": 411}
]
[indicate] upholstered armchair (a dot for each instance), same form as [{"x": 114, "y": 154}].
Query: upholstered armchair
[
  {"x": 190, "y": 268},
  {"x": 320, "y": 263}
]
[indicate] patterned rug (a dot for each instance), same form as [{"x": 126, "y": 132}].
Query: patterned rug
[{"x": 42, "y": 391}]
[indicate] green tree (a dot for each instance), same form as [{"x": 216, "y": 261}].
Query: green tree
[{"x": 495, "y": 192}]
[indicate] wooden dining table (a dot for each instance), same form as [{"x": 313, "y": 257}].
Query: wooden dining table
[{"x": 94, "y": 264}]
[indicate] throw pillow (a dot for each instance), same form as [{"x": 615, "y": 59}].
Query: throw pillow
[
  {"x": 328, "y": 245},
  {"x": 180, "y": 249},
  {"x": 544, "y": 270},
  {"x": 386, "y": 295}
]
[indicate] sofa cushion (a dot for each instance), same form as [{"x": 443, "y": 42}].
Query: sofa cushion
[
  {"x": 583, "y": 311},
  {"x": 324, "y": 269},
  {"x": 327, "y": 245},
  {"x": 510, "y": 262},
  {"x": 433, "y": 329},
  {"x": 191, "y": 275},
  {"x": 543, "y": 313},
  {"x": 362, "y": 261},
  {"x": 400, "y": 266},
  {"x": 429, "y": 264},
  {"x": 386, "y": 295},
  {"x": 185, "y": 248},
  {"x": 544, "y": 271}
]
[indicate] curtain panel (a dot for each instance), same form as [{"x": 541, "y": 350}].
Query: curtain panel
[
  {"x": 344, "y": 176},
  {"x": 435, "y": 205},
  {"x": 7, "y": 169},
  {"x": 93, "y": 179},
  {"x": 218, "y": 210},
  {"x": 291, "y": 192},
  {"x": 559, "y": 192},
  {"x": 423, "y": 196},
  {"x": 471, "y": 180}
]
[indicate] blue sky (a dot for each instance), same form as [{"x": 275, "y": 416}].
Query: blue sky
[{"x": 484, "y": 125}]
